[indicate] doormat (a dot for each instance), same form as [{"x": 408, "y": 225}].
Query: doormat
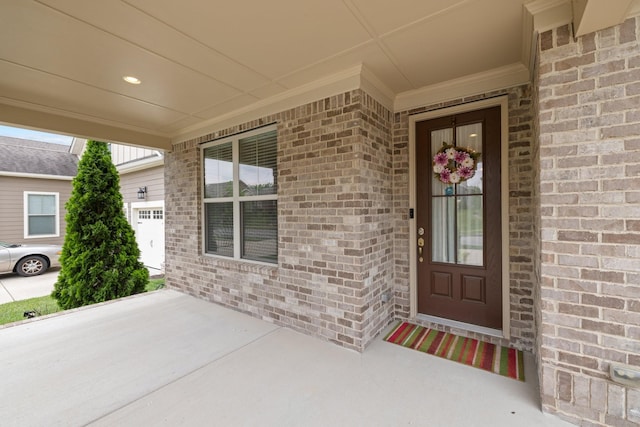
[{"x": 490, "y": 357}]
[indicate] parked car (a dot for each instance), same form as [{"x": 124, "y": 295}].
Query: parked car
[{"x": 28, "y": 260}]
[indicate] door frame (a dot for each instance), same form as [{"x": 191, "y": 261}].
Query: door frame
[{"x": 503, "y": 102}]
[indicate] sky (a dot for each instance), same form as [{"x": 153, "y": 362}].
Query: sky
[{"x": 35, "y": 135}]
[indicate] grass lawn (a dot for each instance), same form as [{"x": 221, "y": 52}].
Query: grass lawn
[{"x": 14, "y": 311}]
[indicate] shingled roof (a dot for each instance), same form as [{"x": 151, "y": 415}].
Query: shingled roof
[{"x": 36, "y": 157}]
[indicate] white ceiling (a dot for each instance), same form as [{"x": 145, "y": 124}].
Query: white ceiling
[{"x": 62, "y": 61}]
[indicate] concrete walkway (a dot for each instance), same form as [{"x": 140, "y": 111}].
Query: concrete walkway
[
  {"x": 168, "y": 359},
  {"x": 16, "y": 288}
]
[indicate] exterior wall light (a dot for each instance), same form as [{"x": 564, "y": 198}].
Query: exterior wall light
[{"x": 142, "y": 193}]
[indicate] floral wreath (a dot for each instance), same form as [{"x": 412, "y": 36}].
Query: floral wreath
[{"x": 453, "y": 165}]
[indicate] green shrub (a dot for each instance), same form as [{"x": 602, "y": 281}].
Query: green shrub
[{"x": 100, "y": 255}]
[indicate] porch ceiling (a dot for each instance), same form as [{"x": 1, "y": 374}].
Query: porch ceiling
[{"x": 62, "y": 61}]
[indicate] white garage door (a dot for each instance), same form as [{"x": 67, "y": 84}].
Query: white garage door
[{"x": 150, "y": 236}]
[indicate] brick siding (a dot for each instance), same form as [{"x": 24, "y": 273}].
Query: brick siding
[
  {"x": 589, "y": 114},
  {"x": 343, "y": 225},
  {"x": 335, "y": 225}
]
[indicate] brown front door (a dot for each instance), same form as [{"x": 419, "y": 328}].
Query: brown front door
[{"x": 458, "y": 218}]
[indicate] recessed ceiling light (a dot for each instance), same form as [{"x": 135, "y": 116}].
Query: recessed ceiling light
[
  {"x": 132, "y": 80},
  {"x": 473, "y": 135}
]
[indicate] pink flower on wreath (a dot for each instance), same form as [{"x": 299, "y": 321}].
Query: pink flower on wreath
[
  {"x": 461, "y": 156},
  {"x": 465, "y": 172},
  {"x": 441, "y": 159},
  {"x": 445, "y": 175}
]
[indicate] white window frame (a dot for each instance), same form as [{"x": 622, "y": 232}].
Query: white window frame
[
  {"x": 26, "y": 214},
  {"x": 236, "y": 199}
]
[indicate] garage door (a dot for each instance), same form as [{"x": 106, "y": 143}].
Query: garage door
[{"x": 150, "y": 237}]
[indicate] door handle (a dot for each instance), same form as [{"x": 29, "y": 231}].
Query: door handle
[{"x": 420, "y": 246}]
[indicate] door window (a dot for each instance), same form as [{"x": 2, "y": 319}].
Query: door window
[{"x": 457, "y": 202}]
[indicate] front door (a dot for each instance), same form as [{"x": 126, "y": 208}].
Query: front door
[{"x": 459, "y": 236}]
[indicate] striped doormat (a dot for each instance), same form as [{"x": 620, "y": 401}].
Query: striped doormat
[{"x": 490, "y": 357}]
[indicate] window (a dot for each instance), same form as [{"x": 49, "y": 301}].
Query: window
[
  {"x": 240, "y": 196},
  {"x": 146, "y": 214},
  {"x": 41, "y": 217},
  {"x": 158, "y": 214}
]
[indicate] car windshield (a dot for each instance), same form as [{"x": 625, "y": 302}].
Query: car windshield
[{"x": 4, "y": 244}]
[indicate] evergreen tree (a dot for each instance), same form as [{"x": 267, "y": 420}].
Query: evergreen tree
[{"x": 100, "y": 256}]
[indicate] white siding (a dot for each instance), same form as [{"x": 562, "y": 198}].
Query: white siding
[{"x": 121, "y": 154}]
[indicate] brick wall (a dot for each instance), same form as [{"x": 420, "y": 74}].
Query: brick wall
[
  {"x": 589, "y": 112},
  {"x": 522, "y": 257},
  {"x": 335, "y": 237}
]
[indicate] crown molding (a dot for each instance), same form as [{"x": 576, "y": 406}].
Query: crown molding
[
  {"x": 371, "y": 84},
  {"x": 476, "y": 84},
  {"x": 358, "y": 77},
  {"x": 550, "y": 14},
  {"x": 335, "y": 84},
  {"x": 594, "y": 15}
]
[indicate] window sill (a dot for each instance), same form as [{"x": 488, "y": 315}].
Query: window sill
[{"x": 242, "y": 266}]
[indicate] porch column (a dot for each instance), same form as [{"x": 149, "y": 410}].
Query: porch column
[{"x": 589, "y": 307}]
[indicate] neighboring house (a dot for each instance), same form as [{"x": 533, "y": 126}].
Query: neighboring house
[
  {"x": 141, "y": 173},
  {"x": 346, "y": 227},
  {"x": 142, "y": 187},
  {"x": 35, "y": 184}
]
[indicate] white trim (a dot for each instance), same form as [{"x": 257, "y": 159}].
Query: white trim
[
  {"x": 470, "y": 327},
  {"x": 36, "y": 176},
  {"x": 25, "y": 207},
  {"x": 372, "y": 85},
  {"x": 464, "y": 87},
  {"x": 503, "y": 102},
  {"x": 235, "y": 199},
  {"x": 550, "y": 14},
  {"x": 333, "y": 85},
  {"x": 358, "y": 77},
  {"x": 138, "y": 165}
]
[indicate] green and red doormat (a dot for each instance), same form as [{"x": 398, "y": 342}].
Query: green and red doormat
[{"x": 490, "y": 357}]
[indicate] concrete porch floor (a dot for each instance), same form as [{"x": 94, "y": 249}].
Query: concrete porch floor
[{"x": 168, "y": 359}]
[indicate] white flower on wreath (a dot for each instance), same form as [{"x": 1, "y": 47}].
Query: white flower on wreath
[
  {"x": 451, "y": 152},
  {"x": 438, "y": 168},
  {"x": 454, "y": 178},
  {"x": 468, "y": 162}
]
